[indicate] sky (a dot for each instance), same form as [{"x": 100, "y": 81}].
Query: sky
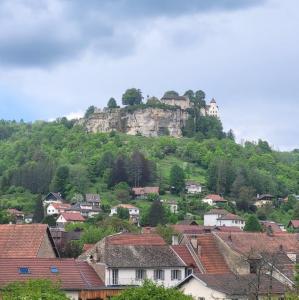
[{"x": 58, "y": 57}]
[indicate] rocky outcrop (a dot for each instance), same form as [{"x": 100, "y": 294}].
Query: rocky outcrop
[{"x": 147, "y": 121}]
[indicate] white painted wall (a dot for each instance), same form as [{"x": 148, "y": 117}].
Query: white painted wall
[
  {"x": 208, "y": 201},
  {"x": 210, "y": 220},
  {"x": 132, "y": 211},
  {"x": 51, "y": 210},
  {"x": 127, "y": 276},
  {"x": 235, "y": 223},
  {"x": 198, "y": 289},
  {"x": 194, "y": 189}
]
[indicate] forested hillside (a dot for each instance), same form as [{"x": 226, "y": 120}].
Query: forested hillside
[{"x": 58, "y": 156}]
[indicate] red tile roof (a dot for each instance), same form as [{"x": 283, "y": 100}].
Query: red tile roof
[
  {"x": 215, "y": 198},
  {"x": 294, "y": 223},
  {"x": 217, "y": 211},
  {"x": 21, "y": 240},
  {"x": 210, "y": 256},
  {"x": 72, "y": 217},
  {"x": 60, "y": 205},
  {"x": 188, "y": 229},
  {"x": 136, "y": 239},
  {"x": 227, "y": 229},
  {"x": 230, "y": 217},
  {"x": 247, "y": 242},
  {"x": 72, "y": 275},
  {"x": 274, "y": 227},
  {"x": 183, "y": 252}
]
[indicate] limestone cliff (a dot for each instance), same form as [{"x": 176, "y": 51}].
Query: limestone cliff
[{"x": 147, "y": 121}]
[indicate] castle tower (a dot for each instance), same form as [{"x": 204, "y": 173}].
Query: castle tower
[{"x": 213, "y": 109}]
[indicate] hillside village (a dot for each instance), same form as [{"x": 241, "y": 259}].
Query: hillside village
[{"x": 103, "y": 207}]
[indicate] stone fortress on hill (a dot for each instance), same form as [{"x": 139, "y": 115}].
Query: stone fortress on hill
[{"x": 147, "y": 121}]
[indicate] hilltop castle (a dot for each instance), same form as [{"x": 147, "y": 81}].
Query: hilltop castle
[
  {"x": 184, "y": 103},
  {"x": 148, "y": 120}
]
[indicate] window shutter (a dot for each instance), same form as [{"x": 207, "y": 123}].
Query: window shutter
[
  {"x": 172, "y": 274},
  {"x": 162, "y": 274}
]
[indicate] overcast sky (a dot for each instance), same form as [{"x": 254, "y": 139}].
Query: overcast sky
[{"x": 57, "y": 57}]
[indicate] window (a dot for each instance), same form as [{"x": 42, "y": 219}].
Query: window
[
  {"x": 54, "y": 270},
  {"x": 140, "y": 274},
  {"x": 176, "y": 275},
  {"x": 189, "y": 271},
  {"x": 24, "y": 270},
  {"x": 115, "y": 276},
  {"x": 159, "y": 274}
]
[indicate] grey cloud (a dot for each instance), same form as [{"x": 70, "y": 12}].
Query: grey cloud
[{"x": 39, "y": 33}]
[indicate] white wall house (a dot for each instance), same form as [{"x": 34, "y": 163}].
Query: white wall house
[
  {"x": 231, "y": 220},
  {"x": 212, "y": 216},
  {"x": 169, "y": 277},
  {"x": 212, "y": 109},
  {"x": 213, "y": 200},
  {"x": 133, "y": 210},
  {"x": 193, "y": 188},
  {"x": 57, "y": 208}
]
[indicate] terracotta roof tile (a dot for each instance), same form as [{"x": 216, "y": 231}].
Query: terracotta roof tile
[
  {"x": 183, "y": 252},
  {"x": 21, "y": 240},
  {"x": 136, "y": 239},
  {"x": 246, "y": 242},
  {"x": 210, "y": 256},
  {"x": 230, "y": 217},
  {"x": 72, "y": 217},
  {"x": 215, "y": 198},
  {"x": 71, "y": 274},
  {"x": 294, "y": 223},
  {"x": 139, "y": 191},
  {"x": 59, "y": 206}
]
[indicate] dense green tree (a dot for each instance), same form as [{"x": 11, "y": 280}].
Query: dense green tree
[
  {"x": 112, "y": 103},
  {"x": 171, "y": 94},
  {"x": 33, "y": 289},
  {"x": 119, "y": 172},
  {"x": 177, "y": 179},
  {"x": 253, "y": 224},
  {"x": 153, "y": 101},
  {"x": 150, "y": 290},
  {"x": 123, "y": 213},
  {"x": 90, "y": 110},
  {"x": 60, "y": 180},
  {"x": 156, "y": 214},
  {"x": 230, "y": 135},
  {"x": 38, "y": 215},
  {"x": 50, "y": 220},
  {"x": 296, "y": 212},
  {"x": 132, "y": 97}
]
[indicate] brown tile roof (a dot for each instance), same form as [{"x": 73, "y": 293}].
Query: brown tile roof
[
  {"x": 183, "y": 252},
  {"x": 274, "y": 227},
  {"x": 294, "y": 223},
  {"x": 210, "y": 256},
  {"x": 189, "y": 229},
  {"x": 60, "y": 205},
  {"x": 227, "y": 229},
  {"x": 139, "y": 191},
  {"x": 136, "y": 239},
  {"x": 72, "y": 217},
  {"x": 230, "y": 217},
  {"x": 92, "y": 198},
  {"x": 21, "y": 240},
  {"x": 215, "y": 198},
  {"x": 241, "y": 285},
  {"x": 72, "y": 275},
  {"x": 247, "y": 242}
]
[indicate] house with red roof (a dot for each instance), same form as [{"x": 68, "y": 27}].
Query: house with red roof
[
  {"x": 214, "y": 200},
  {"x": 75, "y": 278},
  {"x": 142, "y": 192},
  {"x": 26, "y": 241},
  {"x": 133, "y": 211},
  {"x": 56, "y": 208},
  {"x": 69, "y": 217}
]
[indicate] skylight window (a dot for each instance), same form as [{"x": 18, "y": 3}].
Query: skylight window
[
  {"x": 24, "y": 270},
  {"x": 54, "y": 270}
]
